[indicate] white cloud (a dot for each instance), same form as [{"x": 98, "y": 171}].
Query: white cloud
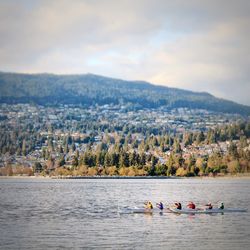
[{"x": 198, "y": 45}]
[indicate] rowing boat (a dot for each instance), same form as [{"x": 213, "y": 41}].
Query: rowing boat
[
  {"x": 137, "y": 210},
  {"x": 206, "y": 211},
  {"x": 141, "y": 210}
]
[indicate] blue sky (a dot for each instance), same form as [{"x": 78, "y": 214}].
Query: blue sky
[{"x": 196, "y": 45}]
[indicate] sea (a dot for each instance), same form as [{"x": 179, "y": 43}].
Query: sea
[{"x": 86, "y": 214}]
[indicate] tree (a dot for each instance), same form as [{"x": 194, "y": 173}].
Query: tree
[
  {"x": 24, "y": 151},
  {"x": 211, "y": 138},
  {"x": 44, "y": 153},
  {"x": 131, "y": 171},
  {"x": 214, "y": 161},
  {"x": 123, "y": 171},
  {"x": 124, "y": 160},
  {"x": 142, "y": 159},
  {"x": 82, "y": 170},
  {"x": 200, "y": 137},
  {"x": 154, "y": 160},
  {"x": 234, "y": 167},
  {"x": 73, "y": 147},
  {"x": 181, "y": 172},
  {"x": 176, "y": 146},
  {"x": 111, "y": 170},
  {"x": 188, "y": 139},
  {"x": 50, "y": 163},
  {"x": 66, "y": 148},
  {"x": 133, "y": 159},
  {"x": 201, "y": 164},
  {"x": 92, "y": 171},
  {"x": 179, "y": 161},
  {"x": 100, "y": 156},
  {"x": 151, "y": 171},
  {"x": 170, "y": 161},
  {"x": 190, "y": 161},
  {"x": 61, "y": 162},
  {"x": 6, "y": 171},
  {"x": 161, "y": 169},
  {"x": 115, "y": 159},
  {"x": 155, "y": 142},
  {"x": 171, "y": 171},
  {"x": 38, "y": 167},
  {"x": 102, "y": 146},
  {"x": 232, "y": 150},
  {"x": 50, "y": 144},
  {"x": 75, "y": 161},
  {"x": 164, "y": 148}
]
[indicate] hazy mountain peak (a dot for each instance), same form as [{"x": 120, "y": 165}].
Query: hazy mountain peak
[{"x": 89, "y": 89}]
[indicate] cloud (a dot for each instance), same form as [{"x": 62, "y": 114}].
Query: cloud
[{"x": 197, "y": 45}]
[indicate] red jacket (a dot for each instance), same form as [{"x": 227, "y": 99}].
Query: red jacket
[{"x": 191, "y": 205}]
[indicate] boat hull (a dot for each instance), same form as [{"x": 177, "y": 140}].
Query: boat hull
[
  {"x": 137, "y": 210},
  {"x": 207, "y": 211}
]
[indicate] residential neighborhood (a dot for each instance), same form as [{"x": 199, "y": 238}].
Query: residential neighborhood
[{"x": 33, "y": 133}]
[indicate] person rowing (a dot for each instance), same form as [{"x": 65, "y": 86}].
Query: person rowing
[
  {"x": 178, "y": 205},
  {"x": 191, "y": 205},
  {"x": 148, "y": 205},
  {"x": 221, "y": 206},
  {"x": 209, "y": 206},
  {"x": 160, "y": 205}
]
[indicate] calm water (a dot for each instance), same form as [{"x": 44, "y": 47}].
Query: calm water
[{"x": 46, "y": 214}]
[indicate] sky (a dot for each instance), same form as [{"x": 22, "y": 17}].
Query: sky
[{"x": 200, "y": 45}]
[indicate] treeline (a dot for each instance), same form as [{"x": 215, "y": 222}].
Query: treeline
[
  {"x": 139, "y": 164},
  {"x": 10, "y": 170},
  {"x": 125, "y": 153},
  {"x": 134, "y": 164},
  {"x": 127, "y": 156}
]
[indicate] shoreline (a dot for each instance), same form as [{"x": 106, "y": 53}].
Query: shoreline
[{"x": 237, "y": 176}]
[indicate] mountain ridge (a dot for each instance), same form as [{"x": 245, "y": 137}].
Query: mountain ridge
[{"x": 89, "y": 89}]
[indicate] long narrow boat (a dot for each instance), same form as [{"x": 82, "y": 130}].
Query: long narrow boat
[
  {"x": 137, "y": 210},
  {"x": 206, "y": 211}
]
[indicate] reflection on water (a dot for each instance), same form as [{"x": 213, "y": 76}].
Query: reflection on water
[{"x": 41, "y": 214}]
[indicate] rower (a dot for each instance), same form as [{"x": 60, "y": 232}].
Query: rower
[
  {"x": 191, "y": 205},
  {"x": 149, "y": 205},
  {"x": 160, "y": 205},
  {"x": 221, "y": 206},
  {"x": 209, "y": 206},
  {"x": 178, "y": 205}
]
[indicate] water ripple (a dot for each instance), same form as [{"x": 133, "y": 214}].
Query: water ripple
[{"x": 57, "y": 214}]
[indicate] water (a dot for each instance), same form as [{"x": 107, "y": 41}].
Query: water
[{"x": 66, "y": 214}]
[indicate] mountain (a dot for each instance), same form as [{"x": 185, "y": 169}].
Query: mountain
[{"x": 89, "y": 89}]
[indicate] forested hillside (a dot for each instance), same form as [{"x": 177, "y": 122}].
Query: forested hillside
[{"x": 89, "y": 89}]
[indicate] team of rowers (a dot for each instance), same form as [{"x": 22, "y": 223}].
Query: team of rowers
[{"x": 177, "y": 205}]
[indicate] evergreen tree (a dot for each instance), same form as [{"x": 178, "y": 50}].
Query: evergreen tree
[
  {"x": 38, "y": 167},
  {"x": 200, "y": 137},
  {"x": 177, "y": 147},
  {"x": 24, "y": 151},
  {"x": 107, "y": 160}
]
